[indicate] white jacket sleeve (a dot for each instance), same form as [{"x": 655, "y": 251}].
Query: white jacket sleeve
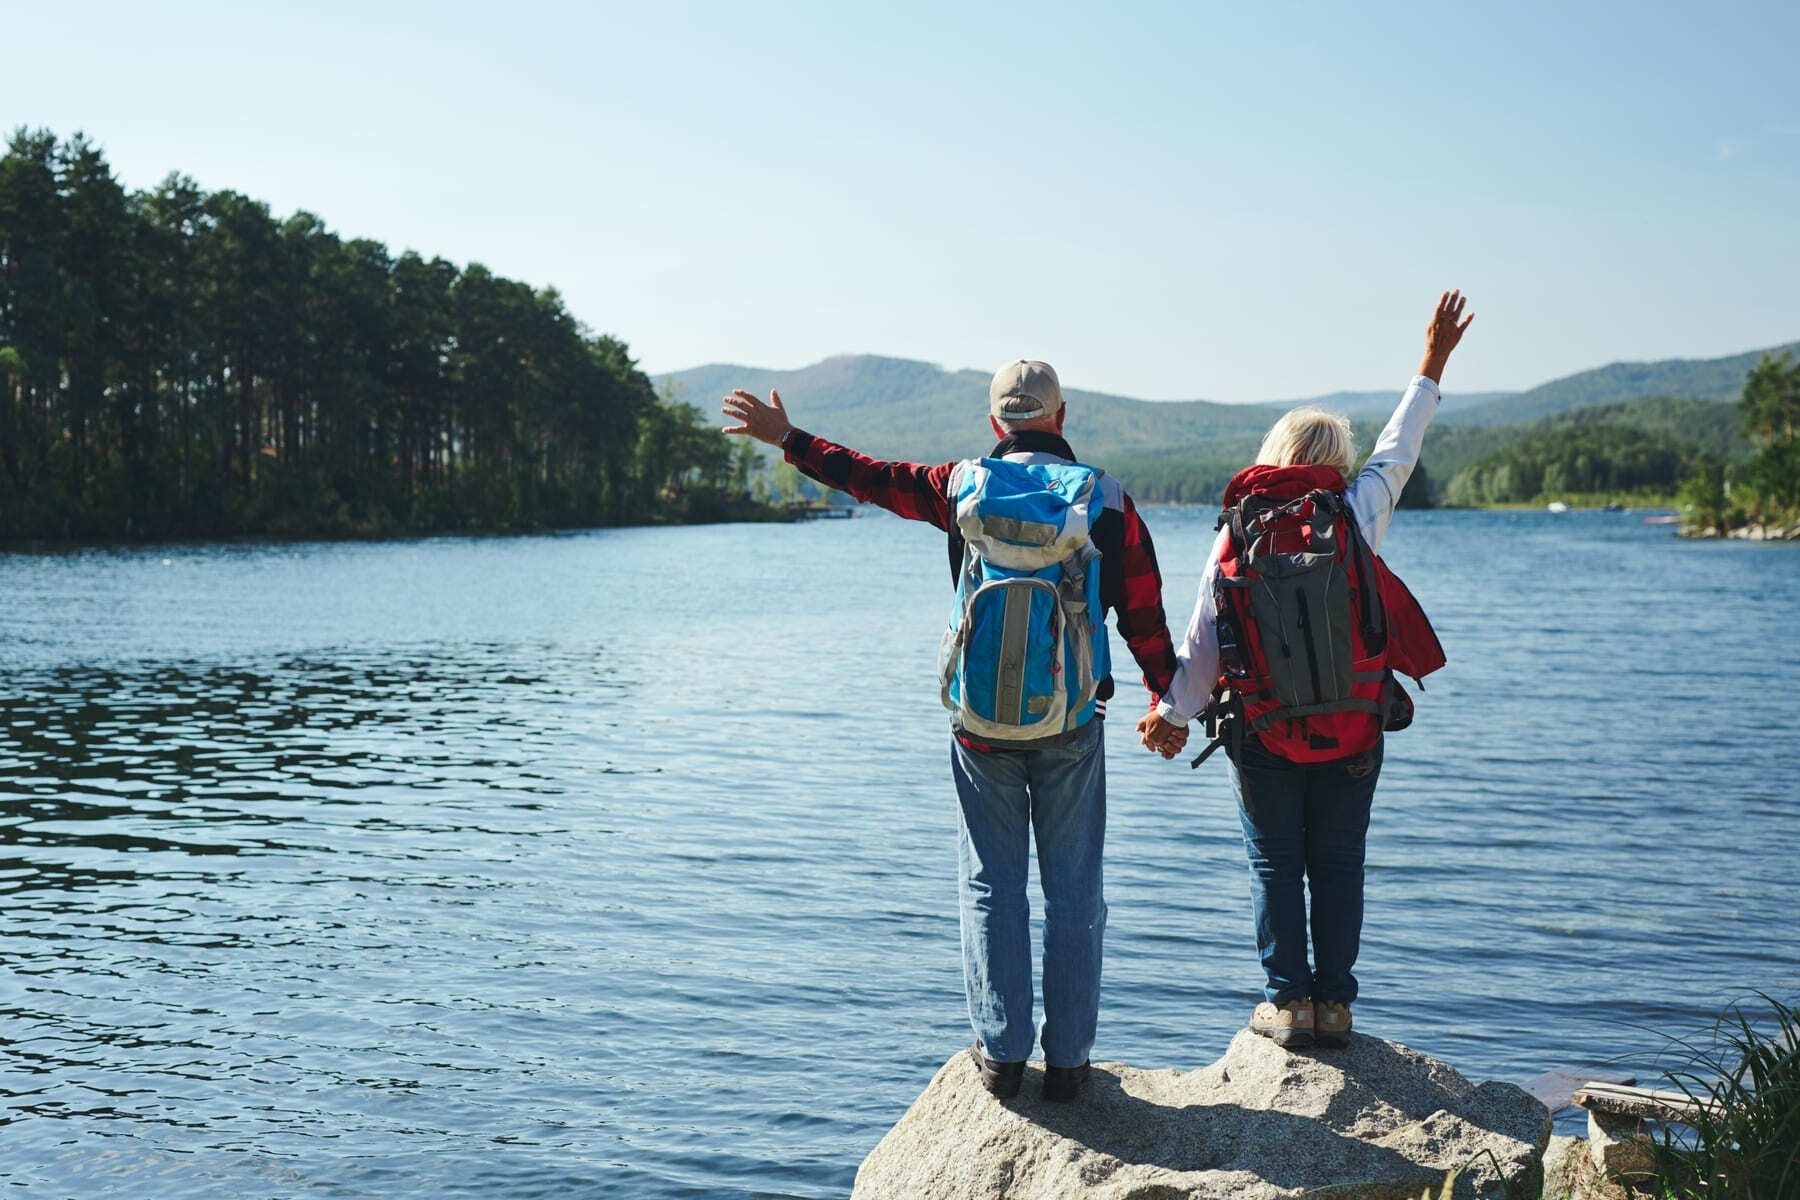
[
  {"x": 1376, "y": 490},
  {"x": 1197, "y": 658}
]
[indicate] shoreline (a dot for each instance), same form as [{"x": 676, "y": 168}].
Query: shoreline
[
  {"x": 1755, "y": 531},
  {"x": 770, "y": 514}
]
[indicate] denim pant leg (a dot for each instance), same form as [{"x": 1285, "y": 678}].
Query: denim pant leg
[
  {"x": 1271, "y": 795},
  {"x": 1068, "y": 810},
  {"x": 992, "y": 860},
  {"x": 1338, "y": 798}
]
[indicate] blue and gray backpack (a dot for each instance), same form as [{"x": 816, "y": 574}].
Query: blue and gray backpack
[{"x": 1027, "y": 644}]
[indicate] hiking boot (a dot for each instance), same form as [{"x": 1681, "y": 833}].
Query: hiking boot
[
  {"x": 1063, "y": 1084},
  {"x": 1001, "y": 1079},
  {"x": 1289, "y": 1024},
  {"x": 1331, "y": 1025}
]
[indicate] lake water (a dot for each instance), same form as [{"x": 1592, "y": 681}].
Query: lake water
[{"x": 621, "y": 863}]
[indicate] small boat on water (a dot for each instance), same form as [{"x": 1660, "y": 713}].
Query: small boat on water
[
  {"x": 1669, "y": 519},
  {"x": 1558, "y": 506}
]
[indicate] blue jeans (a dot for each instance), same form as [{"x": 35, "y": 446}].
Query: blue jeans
[
  {"x": 1305, "y": 825},
  {"x": 1004, "y": 798}
]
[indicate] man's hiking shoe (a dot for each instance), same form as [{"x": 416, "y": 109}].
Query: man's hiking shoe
[
  {"x": 1289, "y": 1025},
  {"x": 1063, "y": 1084},
  {"x": 1001, "y": 1079},
  {"x": 1331, "y": 1025}
]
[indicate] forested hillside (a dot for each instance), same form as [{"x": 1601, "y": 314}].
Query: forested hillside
[
  {"x": 175, "y": 362},
  {"x": 1716, "y": 379},
  {"x": 1575, "y": 451},
  {"x": 1737, "y": 463},
  {"x": 1641, "y": 443},
  {"x": 1609, "y": 460}
]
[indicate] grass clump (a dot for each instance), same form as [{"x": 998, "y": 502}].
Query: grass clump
[{"x": 1745, "y": 1139}]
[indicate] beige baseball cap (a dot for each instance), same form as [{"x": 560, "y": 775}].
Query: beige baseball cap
[{"x": 1023, "y": 390}]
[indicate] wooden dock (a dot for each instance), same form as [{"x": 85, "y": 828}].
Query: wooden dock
[{"x": 1618, "y": 1100}]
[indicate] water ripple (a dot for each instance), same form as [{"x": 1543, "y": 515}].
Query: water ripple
[{"x": 620, "y": 864}]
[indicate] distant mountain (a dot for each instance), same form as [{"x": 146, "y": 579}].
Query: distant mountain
[
  {"x": 1716, "y": 379},
  {"x": 1185, "y": 450},
  {"x": 1380, "y": 404},
  {"x": 898, "y": 408}
]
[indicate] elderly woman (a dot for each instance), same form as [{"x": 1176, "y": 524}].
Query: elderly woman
[{"x": 1304, "y": 771}]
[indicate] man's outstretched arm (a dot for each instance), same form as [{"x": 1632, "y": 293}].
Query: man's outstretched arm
[{"x": 910, "y": 490}]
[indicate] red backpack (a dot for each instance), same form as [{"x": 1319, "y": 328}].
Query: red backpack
[{"x": 1312, "y": 625}]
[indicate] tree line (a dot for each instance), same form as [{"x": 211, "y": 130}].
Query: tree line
[
  {"x": 179, "y": 363},
  {"x": 1579, "y": 460},
  {"x": 1765, "y": 489},
  {"x": 1735, "y": 464}
]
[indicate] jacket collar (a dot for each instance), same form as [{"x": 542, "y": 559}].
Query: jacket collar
[{"x": 1035, "y": 441}]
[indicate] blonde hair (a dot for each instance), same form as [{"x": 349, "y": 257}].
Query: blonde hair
[{"x": 1310, "y": 437}]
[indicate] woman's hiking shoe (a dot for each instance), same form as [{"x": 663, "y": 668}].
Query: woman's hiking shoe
[
  {"x": 1001, "y": 1079},
  {"x": 1289, "y": 1024},
  {"x": 1331, "y": 1025},
  {"x": 1063, "y": 1084}
]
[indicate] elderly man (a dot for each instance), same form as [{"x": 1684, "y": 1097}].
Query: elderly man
[{"x": 1053, "y": 787}]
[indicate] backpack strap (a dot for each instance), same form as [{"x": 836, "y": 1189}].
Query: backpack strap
[
  {"x": 1074, "y": 603},
  {"x": 1370, "y": 610},
  {"x": 957, "y": 547},
  {"x": 1224, "y": 719}
]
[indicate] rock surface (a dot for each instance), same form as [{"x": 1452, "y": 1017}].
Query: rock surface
[
  {"x": 1569, "y": 1174},
  {"x": 1374, "y": 1120},
  {"x": 1620, "y": 1145}
]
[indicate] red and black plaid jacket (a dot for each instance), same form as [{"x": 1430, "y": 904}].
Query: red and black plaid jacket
[{"x": 1130, "y": 584}]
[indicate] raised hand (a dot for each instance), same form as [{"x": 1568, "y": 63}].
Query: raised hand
[
  {"x": 1442, "y": 333},
  {"x": 764, "y": 422}
]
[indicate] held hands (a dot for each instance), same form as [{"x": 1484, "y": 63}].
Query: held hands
[
  {"x": 1442, "y": 333},
  {"x": 1164, "y": 737},
  {"x": 764, "y": 422}
]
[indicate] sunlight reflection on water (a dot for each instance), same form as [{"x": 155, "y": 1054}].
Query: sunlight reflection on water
[{"x": 581, "y": 865}]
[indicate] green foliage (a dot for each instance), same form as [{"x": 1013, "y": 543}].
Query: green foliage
[
  {"x": 1643, "y": 448},
  {"x": 1772, "y": 485},
  {"x": 1700, "y": 450},
  {"x": 1715, "y": 379},
  {"x": 1175, "y": 480},
  {"x": 1705, "y": 496},
  {"x": 179, "y": 363},
  {"x": 1769, "y": 407},
  {"x": 1599, "y": 458},
  {"x": 1701, "y": 426},
  {"x": 1746, "y": 1130},
  {"x": 1770, "y": 402}
]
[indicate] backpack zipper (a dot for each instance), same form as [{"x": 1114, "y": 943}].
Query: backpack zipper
[{"x": 1312, "y": 652}]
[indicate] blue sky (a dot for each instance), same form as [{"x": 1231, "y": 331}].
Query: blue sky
[{"x": 1239, "y": 202}]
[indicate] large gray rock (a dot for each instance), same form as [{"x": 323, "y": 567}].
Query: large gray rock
[{"x": 1375, "y": 1120}]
